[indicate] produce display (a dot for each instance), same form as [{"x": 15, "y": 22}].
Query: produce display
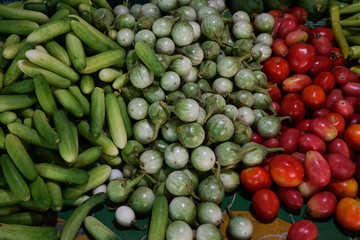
[{"x": 161, "y": 109}]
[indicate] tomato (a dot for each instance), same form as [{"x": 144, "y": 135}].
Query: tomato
[
  {"x": 275, "y": 92},
  {"x": 296, "y": 83},
  {"x": 301, "y": 57},
  {"x": 293, "y": 108},
  {"x": 255, "y": 178},
  {"x": 348, "y": 213},
  {"x": 279, "y": 48},
  {"x": 355, "y": 119},
  {"x": 286, "y": 27},
  {"x": 302, "y": 27},
  {"x": 344, "y": 108},
  {"x": 271, "y": 143},
  {"x": 322, "y": 45},
  {"x": 290, "y": 197},
  {"x": 351, "y": 100},
  {"x": 307, "y": 188},
  {"x": 341, "y": 74},
  {"x": 289, "y": 140},
  {"x": 286, "y": 171},
  {"x": 343, "y": 187},
  {"x": 337, "y": 58},
  {"x": 300, "y": 157},
  {"x": 255, "y": 137},
  {"x": 266, "y": 204},
  {"x": 309, "y": 141},
  {"x": 303, "y": 125},
  {"x": 339, "y": 146},
  {"x": 313, "y": 97},
  {"x": 276, "y": 108},
  {"x": 302, "y": 230},
  {"x": 295, "y": 37},
  {"x": 352, "y": 136},
  {"x": 351, "y": 89},
  {"x": 323, "y": 128},
  {"x": 320, "y": 113},
  {"x": 277, "y": 24},
  {"x": 321, "y": 205},
  {"x": 320, "y": 64},
  {"x": 300, "y": 14},
  {"x": 275, "y": 13},
  {"x": 338, "y": 121},
  {"x": 276, "y": 69},
  {"x": 321, "y": 31},
  {"x": 317, "y": 169},
  {"x": 325, "y": 80},
  {"x": 332, "y": 97},
  {"x": 341, "y": 167}
]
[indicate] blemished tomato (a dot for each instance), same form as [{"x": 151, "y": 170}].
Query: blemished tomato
[
  {"x": 302, "y": 230},
  {"x": 293, "y": 108},
  {"x": 321, "y": 205},
  {"x": 348, "y": 213},
  {"x": 352, "y": 136},
  {"x": 276, "y": 69},
  {"x": 344, "y": 108},
  {"x": 325, "y": 80},
  {"x": 296, "y": 83},
  {"x": 300, "y": 14},
  {"x": 274, "y": 92},
  {"x": 266, "y": 204},
  {"x": 344, "y": 187},
  {"x": 313, "y": 97},
  {"x": 286, "y": 171},
  {"x": 338, "y": 121},
  {"x": 255, "y": 178},
  {"x": 301, "y": 57}
]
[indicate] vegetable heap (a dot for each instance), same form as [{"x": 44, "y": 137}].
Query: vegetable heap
[{"x": 150, "y": 107}]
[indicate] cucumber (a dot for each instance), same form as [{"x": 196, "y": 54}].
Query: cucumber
[
  {"x": 125, "y": 116},
  {"x": 75, "y": 202},
  {"x": 98, "y": 230},
  {"x": 120, "y": 82},
  {"x": 61, "y": 5},
  {"x": 82, "y": 100},
  {"x": 30, "y": 135},
  {"x": 57, "y": 51},
  {"x": 12, "y": 39},
  {"x": 103, "y": 60},
  {"x": 28, "y": 122},
  {"x": 14, "y": 179},
  {"x": 44, "y": 95},
  {"x": 159, "y": 218},
  {"x": 7, "y": 198},
  {"x": 75, "y": 51},
  {"x": 110, "y": 160},
  {"x": 22, "y": 14},
  {"x": 7, "y": 117},
  {"x": 87, "y": 16},
  {"x": 63, "y": 13},
  {"x": 18, "y": 87},
  {"x": 46, "y": 155},
  {"x": 67, "y": 145},
  {"x": 20, "y": 157},
  {"x": 40, "y": 193},
  {"x": 49, "y": 31},
  {"x": 25, "y": 113},
  {"x": 14, "y": 72},
  {"x": 1, "y": 78},
  {"x": 103, "y": 4},
  {"x": 149, "y": 58},
  {"x": 97, "y": 176},
  {"x": 16, "y": 232},
  {"x": 87, "y": 84},
  {"x": 41, "y": 49},
  {"x": 13, "y": 102},
  {"x": 23, "y": 218},
  {"x": 20, "y": 27},
  {"x": 77, "y": 217},
  {"x": 36, "y": 7},
  {"x": 97, "y": 111},
  {"x": 11, "y": 51},
  {"x": 68, "y": 101},
  {"x": 42, "y": 125},
  {"x": 75, "y": 3},
  {"x": 32, "y": 206},
  {"x": 2, "y": 139},
  {"x": 61, "y": 174},
  {"x": 55, "y": 195},
  {"x": 88, "y": 157},
  {"x": 75, "y": 136},
  {"x": 109, "y": 74},
  {"x": 9, "y": 210}
]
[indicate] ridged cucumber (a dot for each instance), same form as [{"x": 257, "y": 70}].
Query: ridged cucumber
[
  {"x": 98, "y": 230},
  {"x": 20, "y": 157},
  {"x": 44, "y": 94},
  {"x": 16, "y": 232},
  {"x": 61, "y": 174},
  {"x": 97, "y": 111},
  {"x": 42, "y": 125}
]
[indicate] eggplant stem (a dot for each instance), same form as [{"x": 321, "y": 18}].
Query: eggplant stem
[
  {"x": 151, "y": 179},
  {"x": 192, "y": 194},
  {"x": 271, "y": 150},
  {"x": 231, "y": 215},
  {"x": 133, "y": 223}
]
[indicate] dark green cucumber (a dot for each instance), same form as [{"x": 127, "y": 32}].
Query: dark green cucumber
[
  {"x": 40, "y": 193},
  {"x": 9, "y": 210},
  {"x": 19, "y": 87},
  {"x": 55, "y": 195},
  {"x": 43, "y": 126},
  {"x": 159, "y": 218},
  {"x": 22, "y": 14},
  {"x": 16, "y": 232},
  {"x": 125, "y": 116},
  {"x": 7, "y": 198},
  {"x": 23, "y": 218},
  {"x": 44, "y": 95},
  {"x": 20, "y": 27},
  {"x": 61, "y": 174},
  {"x": 97, "y": 111}
]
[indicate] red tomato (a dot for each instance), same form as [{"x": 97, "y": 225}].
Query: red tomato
[
  {"x": 301, "y": 57},
  {"x": 293, "y": 108},
  {"x": 290, "y": 197},
  {"x": 279, "y": 48},
  {"x": 332, "y": 97},
  {"x": 351, "y": 89},
  {"x": 300, "y": 14},
  {"x": 271, "y": 143},
  {"x": 322, "y": 45},
  {"x": 351, "y": 100},
  {"x": 295, "y": 37},
  {"x": 302, "y": 27},
  {"x": 352, "y": 136},
  {"x": 307, "y": 188},
  {"x": 321, "y": 31},
  {"x": 266, "y": 204},
  {"x": 276, "y": 69},
  {"x": 338, "y": 121},
  {"x": 343, "y": 187},
  {"x": 274, "y": 92},
  {"x": 289, "y": 140},
  {"x": 320, "y": 113},
  {"x": 344, "y": 108},
  {"x": 303, "y": 125},
  {"x": 341, "y": 167},
  {"x": 276, "y": 108},
  {"x": 275, "y": 13},
  {"x": 300, "y": 157},
  {"x": 286, "y": 171},
  {"x": 321, "y": 205},
  {"x": 286, "y": 27},
  {"x": 337, "y": 58},
  {"x": 278, "y": 22},
  {"x": 302, "y": 230},
  {"x": 317, "y": 169},
  {"x": 296, "y": 83},
  {"x": 325, "y": 80},
  {"x": 341, "y": 74},
  {"x": 255, "y": 137},
  {"x": 339, "y": 146},
  {"x": 323, "y": 128},
  {"x": 348, "y": 213},
  {"x": 313, "y": 97},
  {"x": 291, "y": 96},
  {"x": 309, "y": 141},
  {"x": 320, "y": 64},
  {"x": 255, "y": 178}
]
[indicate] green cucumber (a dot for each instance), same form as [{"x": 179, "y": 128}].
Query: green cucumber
[
  {"x": 61, "y": 174},
  {"x": 62, "y": 5},
  {"x": 23, "y": 218},
  {"x": 20, "y": 27},
  {"x": 22, "y": 14},
  {"x": 7, "y": 198},
  {"x": 32, "y": 206},
  {"x": 159, "y": 218},
  {"x": 9, "y": 210},
  {"x": 69, "y": 102},
  {"x": 2, "y": 139},
  {"x": 75, "y": 202},
  {"x": 88, "y": 157},
  {"x": 42, "y": 125},
  {"x": 44, "y": 95},
  {"x": 57, "y": 51},
  {"x": 103, "y": 60},
  {"x": 40, "y": 193},
  {"x": 125, "y": 116},
  {"x": 110, "y": 160},
  {"x": 97, "y": 111},
  {"x": 19, "y": 87},
  {"x": 87, "y": 84},
  {"x": 63, "y": 13},
  {"x": 16, "y": 232},
  {"x": 75, "y": 51},
  {"x": 7, "y": 117},
  {"x": 98, "y": 230},
  {"x": 12, "y": 39},
  {"x": 55, "y": 195},
  {"x": 82, "y": 100},
  {"x": 14, "y": 102},
  {"x": 36, "y": 7},
  {"x": 149, "y": 58}
]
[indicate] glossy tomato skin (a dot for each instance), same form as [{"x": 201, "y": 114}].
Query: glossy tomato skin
[
  {"x": 313, "y": 97},
  {"x": 300, "y": 14},
  {"x": 337, "y": 58},
  {"x": 295, "y": 37},
  {"x": 290, "y": 197},
  {"x": 351, "y": 89},
  {"x": 341, "y": 74},
  {"x": 344, "y": 187},
  {"x": 344, "y": 108},
  {"x": 294, "y": 108},
  {"x": 302, "y": 230},
  {"x": 255, "y": 137},
  {"x": 311, "y": 142},
  {"x": 348, "y": 213},
  {"x": 325, "y": 80},
  {"x": 302, "y": 27},
  {"x": 334, "y": 95},
  {"x": 322, "y": 46},
  {"x": 317, "y": 168},
  {"x": 255, "y": 179},
  {"x": 279, "y": 48},
  {"x": 307, "y": 188},
  {"x": 286, "y": 171},
  {"x": 326, "y": 32},
  {"x": 352, "y": 136},
  {"x": 276, "y": 107},
  {"x": 323, "y": 128},
  {"x": 296, "y": 83},
  {"x": 320, "y": 64},
  {"x": 338, "y": 121},
  {"x": 303, "y": 125},
  {"x": 276, "y": 69},
  {"x": 341, "y": 167},
  {"x": 274, "y": 92},
  {"x": 266, "y": 204},
  {"x": 301, "y": 57},
  {"x": 322, "y": 204},
  {"x": 339, "y": 146},
  {"x": 289, "y": 140},
  {"x": 286, "y": 27},
  {"x": 320, "y": 113}
]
